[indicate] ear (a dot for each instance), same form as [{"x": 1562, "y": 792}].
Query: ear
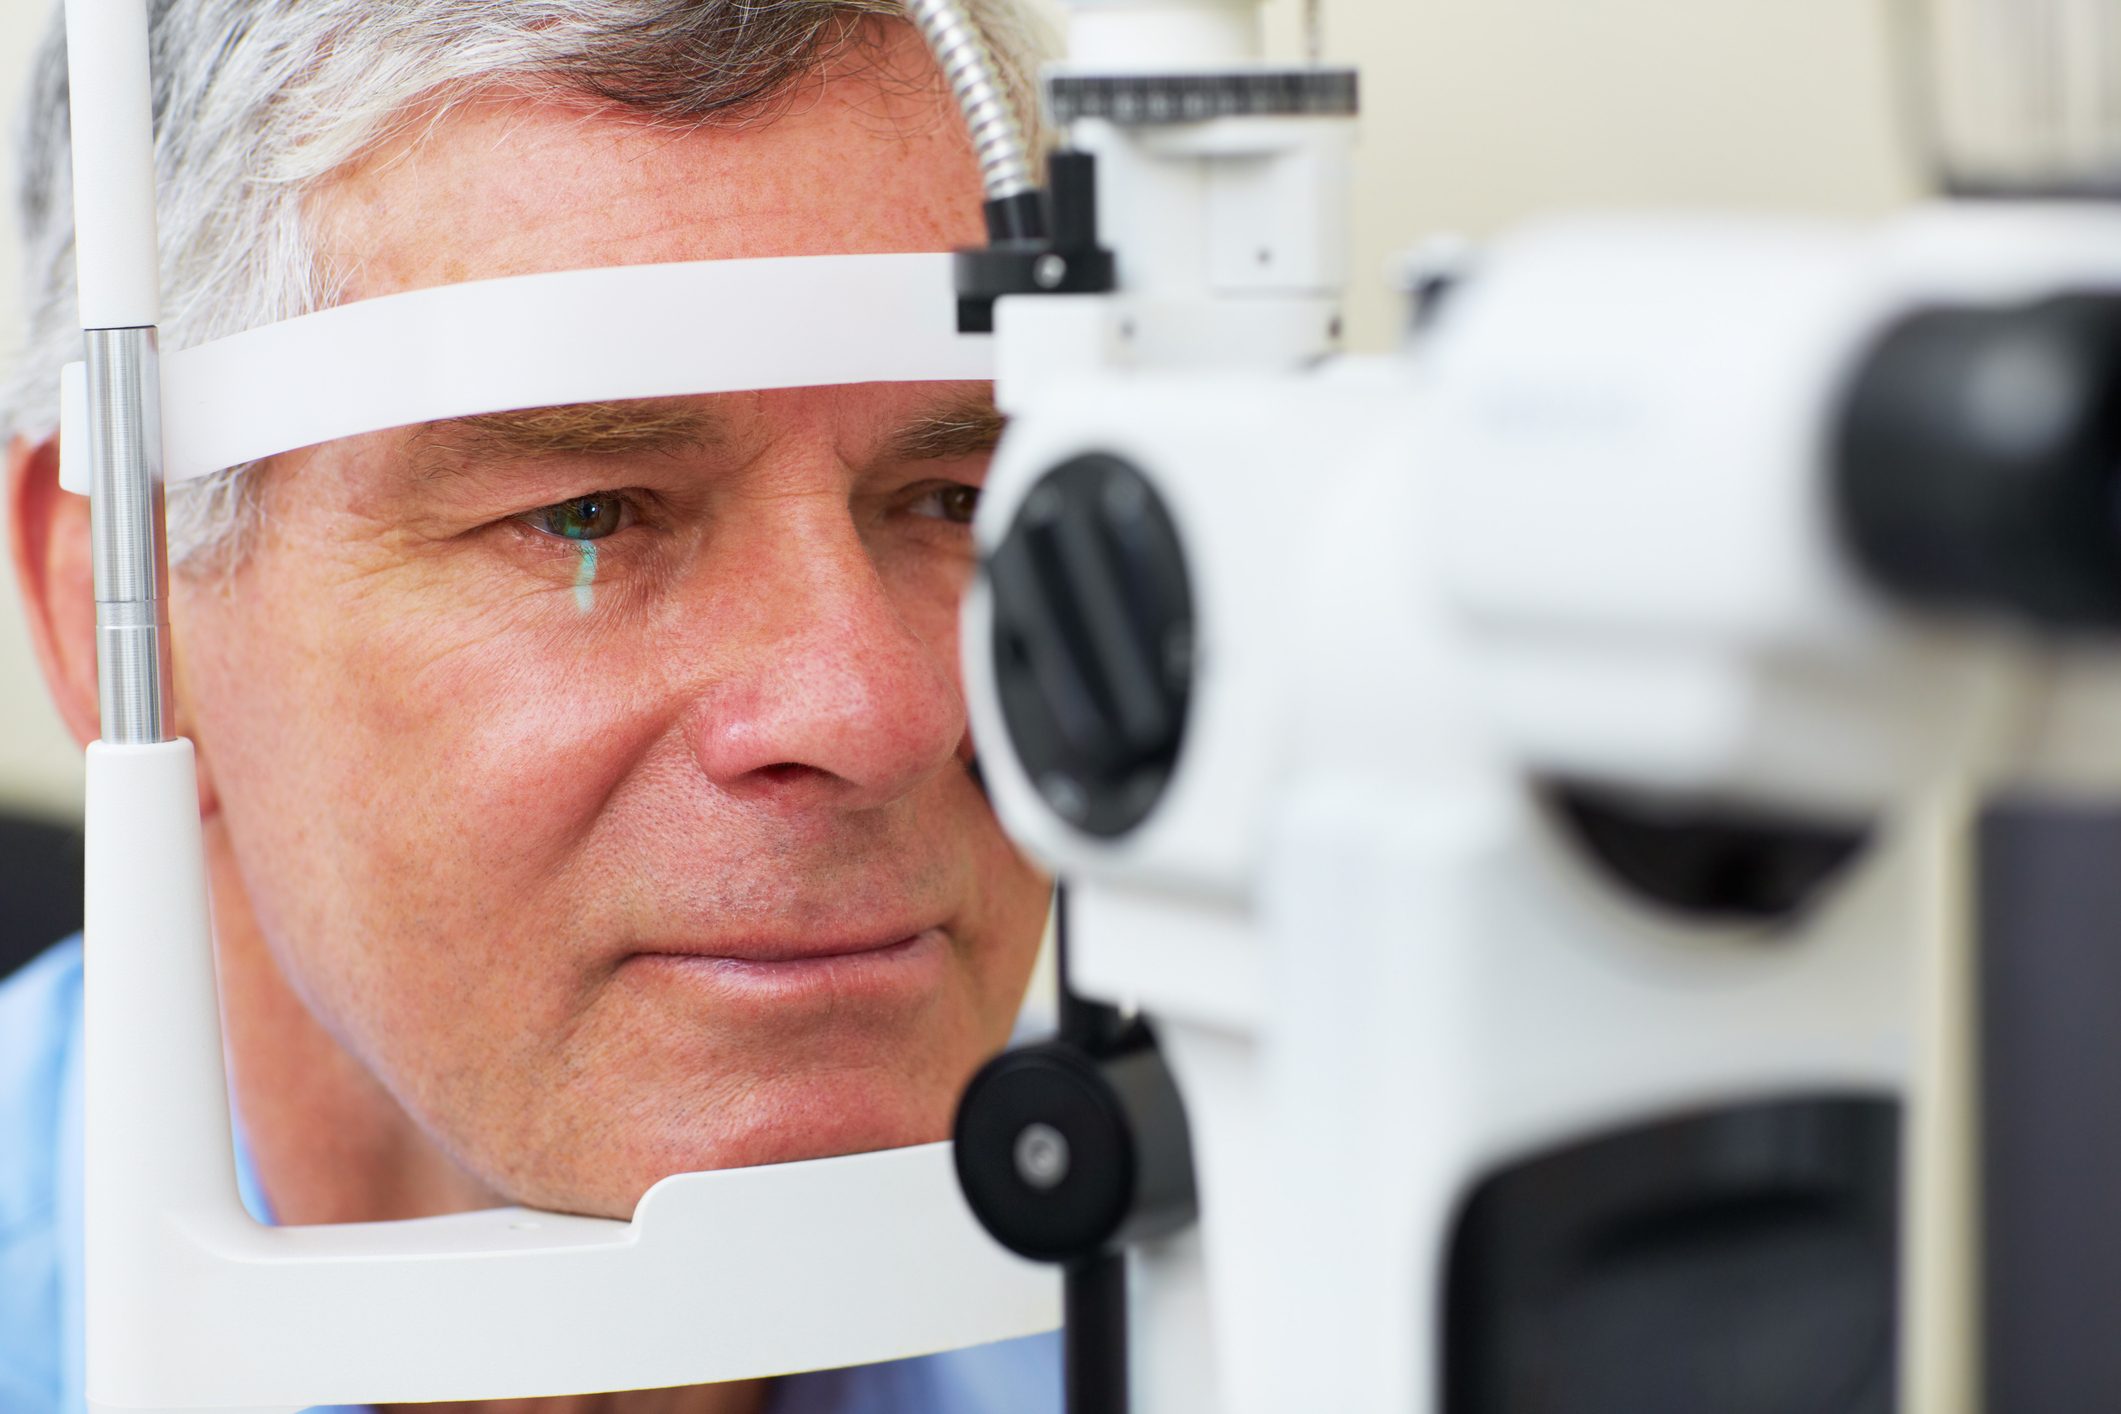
[{"x": 48, "y": 532}]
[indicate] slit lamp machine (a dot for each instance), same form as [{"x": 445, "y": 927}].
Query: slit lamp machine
[{"x": 1515, "y": 797}]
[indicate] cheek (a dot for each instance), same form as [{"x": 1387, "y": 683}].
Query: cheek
[
  {"x": 510, "y": 725},
  {"x": 404, "y": 771},
  {"x": 927, "y": 590},
  {"x": 513, "y": 730}
]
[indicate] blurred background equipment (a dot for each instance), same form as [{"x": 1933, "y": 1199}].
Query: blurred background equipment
[{"x": 2018, "y": 96}]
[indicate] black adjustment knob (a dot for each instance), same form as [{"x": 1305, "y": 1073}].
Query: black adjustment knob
[
  {"x": 1038, "y": 244},
  {"x": 1063, "y": 1156},
  {"x": 1978, "y": 460},
  {"x": 1093, "y": 642}
]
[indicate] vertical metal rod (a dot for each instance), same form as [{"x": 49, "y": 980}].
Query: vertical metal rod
[
  {"x": 117, "y": 267},
  {"x": 1094, "y": 1290},
  {"x": 130, "y": 551}
]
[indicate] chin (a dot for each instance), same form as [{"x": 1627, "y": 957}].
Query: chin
[{"x": 785, "y": 1120}]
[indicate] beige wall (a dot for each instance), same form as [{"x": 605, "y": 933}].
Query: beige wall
[{"x": 1477, "y": 113}]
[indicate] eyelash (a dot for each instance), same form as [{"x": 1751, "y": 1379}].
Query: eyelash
[{"x": 955, "y": 503}]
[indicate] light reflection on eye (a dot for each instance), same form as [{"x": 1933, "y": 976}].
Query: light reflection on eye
[
  {"x": 590, "y": 517},
  {"x": 954, "y": 503}
]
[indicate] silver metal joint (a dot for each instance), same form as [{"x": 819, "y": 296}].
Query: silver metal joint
[
  {"x": 130, "y": 553},
  {"x": 1042, "y": 1157},
  {"x": 975, "y": 81}
]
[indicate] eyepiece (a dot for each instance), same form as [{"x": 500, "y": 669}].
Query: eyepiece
[{"x": 1978, "y": 460}]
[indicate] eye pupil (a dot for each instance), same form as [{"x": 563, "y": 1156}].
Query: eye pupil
[{"x": 959, "y": 502}]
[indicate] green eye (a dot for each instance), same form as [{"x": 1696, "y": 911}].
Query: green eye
[{"x": 590, "y": 517}]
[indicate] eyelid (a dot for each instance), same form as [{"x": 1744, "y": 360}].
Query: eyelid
[
  {"x": 933, "y": 491},
  {"x": 629, "y": 509}
]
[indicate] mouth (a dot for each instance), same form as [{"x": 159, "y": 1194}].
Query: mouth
[
  {"x": 787, "y": 971},
  {"x": 777, "y": 951}
]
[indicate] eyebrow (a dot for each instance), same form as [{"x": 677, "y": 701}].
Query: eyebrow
[
  {"x": 967, "y": 426},
  {"x": 645, "y": 426}
]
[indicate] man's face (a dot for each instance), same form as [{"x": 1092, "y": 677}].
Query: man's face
[{"x": 600, "y": 777}]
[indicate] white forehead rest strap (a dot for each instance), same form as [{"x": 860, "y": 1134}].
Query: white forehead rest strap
[{"x": 629, "y": 331}]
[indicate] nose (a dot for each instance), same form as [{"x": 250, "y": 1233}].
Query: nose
[{"x": 827, "y": 694}]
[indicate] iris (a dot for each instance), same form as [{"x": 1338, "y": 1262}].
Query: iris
[{"x": 585, "y": 518}]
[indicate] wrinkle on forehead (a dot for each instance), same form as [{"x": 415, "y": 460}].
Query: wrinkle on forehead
[{"x": 504, "y": 184}]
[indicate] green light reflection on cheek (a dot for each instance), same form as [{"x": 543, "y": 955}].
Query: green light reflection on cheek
[{"x": 585, "y": 578}]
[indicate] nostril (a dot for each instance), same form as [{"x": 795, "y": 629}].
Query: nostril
[{"x": 782, "y": 771}]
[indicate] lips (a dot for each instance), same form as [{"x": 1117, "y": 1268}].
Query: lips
[
  {"x": 807, "y": 948},
  {"x": 875, "y": 974}
]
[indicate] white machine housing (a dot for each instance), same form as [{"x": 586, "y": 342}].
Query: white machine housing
[{"x": 1583, "y": 532}]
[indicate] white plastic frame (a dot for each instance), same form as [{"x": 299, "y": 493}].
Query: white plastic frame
[{"x": 524, "y": 341}]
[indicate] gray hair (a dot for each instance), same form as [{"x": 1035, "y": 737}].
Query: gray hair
[{"x": 256, "y": 101}]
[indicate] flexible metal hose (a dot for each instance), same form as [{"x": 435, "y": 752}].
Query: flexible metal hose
[{"x": 968, "y": 66}]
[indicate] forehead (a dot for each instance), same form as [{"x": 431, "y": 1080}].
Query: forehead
[{"x": 861, "y": 160}]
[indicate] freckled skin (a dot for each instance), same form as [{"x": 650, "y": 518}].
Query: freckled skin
[{"x": 446, "y": 803}]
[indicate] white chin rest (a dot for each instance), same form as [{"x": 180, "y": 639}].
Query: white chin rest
[{"x": 724, "y": 1275}]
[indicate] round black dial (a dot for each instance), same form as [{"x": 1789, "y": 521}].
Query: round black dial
[{"x": 1093, "y": 642}]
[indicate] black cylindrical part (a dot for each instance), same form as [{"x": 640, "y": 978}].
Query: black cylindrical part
[
  {"x": 1021, "y": 217},
  {"x": 1977, "y": 460},
  {"x": 1063, "y": 1155},
  {"x": 1094, "y": 1341},
  {"x": 1071, "y": 177}
]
